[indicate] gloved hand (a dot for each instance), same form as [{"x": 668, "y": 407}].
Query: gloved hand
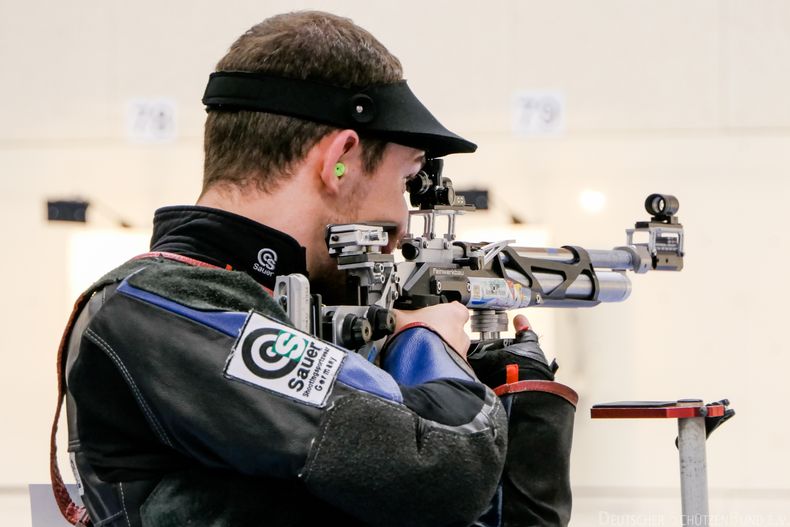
[
  {"x": 505, "y": 361},
  {"x": 535, "y": 486},
  {"x": 712, "y": 423}
]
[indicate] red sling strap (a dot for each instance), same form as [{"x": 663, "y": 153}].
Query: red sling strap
[{"x": 74, "y": 514}]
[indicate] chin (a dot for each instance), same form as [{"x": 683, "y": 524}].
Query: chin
[{"x": 330, "y": 283}]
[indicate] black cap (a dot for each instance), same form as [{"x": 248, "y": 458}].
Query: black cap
[{"x": 388, "y": 111}]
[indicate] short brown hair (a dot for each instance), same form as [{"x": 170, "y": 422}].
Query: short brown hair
[{"x": 243, "y": 147}]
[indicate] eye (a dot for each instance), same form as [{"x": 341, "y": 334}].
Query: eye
[{"x": 406, "y": 180}]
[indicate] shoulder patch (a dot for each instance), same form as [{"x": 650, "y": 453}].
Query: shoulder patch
[{"x": 284, "y": 360}]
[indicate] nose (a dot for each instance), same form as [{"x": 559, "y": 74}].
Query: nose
[
  {"x": 402, "y": 223},
  {"x": 396, "y": 234},
  {"x": 394, "y": 238}
]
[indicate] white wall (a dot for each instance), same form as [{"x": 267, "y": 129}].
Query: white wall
[{"x": 679, "y": 96}]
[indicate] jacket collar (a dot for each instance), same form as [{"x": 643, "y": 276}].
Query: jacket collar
[{"x": 226, "y": 240}]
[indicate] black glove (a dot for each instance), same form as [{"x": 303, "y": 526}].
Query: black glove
[
  {"x": 535, "y": 487},
  {"x": 490, "y": 359},
  {"x": 712, "y": 423}
]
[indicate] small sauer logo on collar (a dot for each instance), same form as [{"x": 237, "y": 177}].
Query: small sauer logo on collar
[{"x": 267, "y": 261}]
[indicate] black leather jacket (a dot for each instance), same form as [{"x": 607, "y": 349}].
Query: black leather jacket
[{"x": 192, "y": 401}]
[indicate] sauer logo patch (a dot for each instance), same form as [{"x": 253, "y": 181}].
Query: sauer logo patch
[{"x": 281, "y": 359}]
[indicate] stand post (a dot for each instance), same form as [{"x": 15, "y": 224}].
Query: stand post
[
  {"x": 693, "y": 471},
  {"x": 692, "y": 435}
]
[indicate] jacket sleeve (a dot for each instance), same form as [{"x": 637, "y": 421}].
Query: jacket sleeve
[{"x": 243, "y": 390}]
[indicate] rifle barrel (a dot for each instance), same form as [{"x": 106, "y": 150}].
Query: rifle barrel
[
  {"x": 618, "y": 259},
  {"x": 613, "y": 286}
]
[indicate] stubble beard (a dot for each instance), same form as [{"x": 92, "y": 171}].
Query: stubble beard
[
  {"x": 325, "y": 278},
  {"x": 329, "y": 281}
]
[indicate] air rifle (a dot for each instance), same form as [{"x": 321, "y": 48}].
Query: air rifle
[{"x": 490, "y": 278}]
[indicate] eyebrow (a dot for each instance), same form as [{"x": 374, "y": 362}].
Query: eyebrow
[{"x": 421, "y": 159}]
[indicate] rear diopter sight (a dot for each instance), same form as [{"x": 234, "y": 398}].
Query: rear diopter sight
[{"x": 428, "y": 188}]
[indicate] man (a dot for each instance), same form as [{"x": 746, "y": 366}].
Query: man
[{"x": 190, "y": 398}]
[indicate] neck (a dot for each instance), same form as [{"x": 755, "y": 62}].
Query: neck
[{"x": 291, "y": 207}]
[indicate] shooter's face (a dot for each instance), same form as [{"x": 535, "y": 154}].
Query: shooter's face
[
  {"x": 372, "y": 197},
  {"x": 380, "y": 196}
]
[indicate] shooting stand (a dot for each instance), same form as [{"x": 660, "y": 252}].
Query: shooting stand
[{"x": 692, "y": 434}]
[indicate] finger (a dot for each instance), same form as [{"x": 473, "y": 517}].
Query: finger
[
  {"x": 462, "y": 310},
  {"x": 520, "y": 323}
]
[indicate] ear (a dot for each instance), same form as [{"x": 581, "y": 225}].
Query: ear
[{"x": 335, "y": 151}]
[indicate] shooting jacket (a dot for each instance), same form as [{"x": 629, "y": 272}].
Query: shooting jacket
[{"x": 192, "y": 401}]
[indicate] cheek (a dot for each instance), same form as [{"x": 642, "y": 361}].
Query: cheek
[
  {"x": 382, "y": 202},
  {"x": 397, "y": 207},
  {"x": 386, "y": 204}
]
